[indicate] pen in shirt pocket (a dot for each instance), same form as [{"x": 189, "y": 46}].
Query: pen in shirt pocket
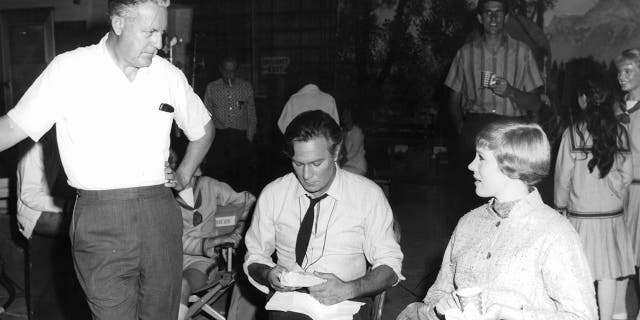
[{"x": 166, "y": 107}]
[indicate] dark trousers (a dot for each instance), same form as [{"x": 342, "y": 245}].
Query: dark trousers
[
  {"x": 229, "y": 159},
  {"x": 127, "y": 250},
  {"x": 363, "y": 314},
  {"x": 54, "y": 291}
]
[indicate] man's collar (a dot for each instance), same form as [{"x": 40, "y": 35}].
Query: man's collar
[
  {"x": 504, "y": 40},
  {"x": 309, "y": 88}
]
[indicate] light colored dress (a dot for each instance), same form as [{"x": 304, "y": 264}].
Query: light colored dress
[
  {"x": 632, "y": 207},
  {"x": 595, "y": 206}
]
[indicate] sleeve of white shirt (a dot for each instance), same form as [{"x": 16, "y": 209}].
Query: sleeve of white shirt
[
  {"x": 191, "y": 114},
  {"x": 34, "y": 196},
  {"x": 333, "y": 110},
  {"x": 380, "y": 245},
  {"x": 41, "y": 104},
  {"x": 261, "y": 237}
]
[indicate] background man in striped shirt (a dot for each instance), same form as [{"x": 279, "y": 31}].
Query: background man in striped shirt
[{"x": 513, "y": 80}]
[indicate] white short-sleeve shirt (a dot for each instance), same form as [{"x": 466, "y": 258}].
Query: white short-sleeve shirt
[{"x": 111, "y": 132}]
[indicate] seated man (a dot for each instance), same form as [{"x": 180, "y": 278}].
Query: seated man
[
  {"x": 324, "y": 220},
  {"x": 203, "y": 229}
]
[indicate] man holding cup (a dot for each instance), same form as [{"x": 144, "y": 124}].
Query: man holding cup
[{"x": 492, "y": 77}]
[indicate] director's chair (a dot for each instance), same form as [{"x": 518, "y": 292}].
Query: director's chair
[
  {"x": 218, "y": 284},
  {"x": 222, "y": 277}
]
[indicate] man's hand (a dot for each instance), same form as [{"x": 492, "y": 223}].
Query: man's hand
[
  {"x": 331, "y": 292},
  {"x": 169, "y": 176},
  {"x": 502, "y": 87},
  {"x": 414, "y": 311},
  {"x": 446, "y": 303},
  {"x": 274, "y": 279}
]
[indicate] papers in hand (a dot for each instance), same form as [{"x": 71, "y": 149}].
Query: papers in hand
[
  {"x": 300, "y": 279},
  {"x": 304, "y": 303}
]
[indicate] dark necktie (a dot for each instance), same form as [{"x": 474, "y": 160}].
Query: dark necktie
[{"x": 302, "y": 242}]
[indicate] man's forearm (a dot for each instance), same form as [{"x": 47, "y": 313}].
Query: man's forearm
[
  {"x": 196, "y": 151},
  {"x": 374, "y": 282},
  {"x": 259, "y": 272},
  {"x": 525, "y": 101},
  {"x": 10, "y": 133}
]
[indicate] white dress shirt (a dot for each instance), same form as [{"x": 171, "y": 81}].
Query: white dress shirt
[
  {"x": 353, "y": 225},
  {"x": 310, "y": 97},
  {"x": 111, "y": 133},
  {"x": 34, "y": 183}
]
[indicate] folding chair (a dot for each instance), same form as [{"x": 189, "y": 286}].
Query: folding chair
[
  {"x": 221, "y": 279},
  {"x": 218, "y": 284}
]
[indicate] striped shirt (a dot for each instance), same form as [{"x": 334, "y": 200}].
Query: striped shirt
[
  {"x": 231, "y": 107},
  {"x": 512, "y": 61}
]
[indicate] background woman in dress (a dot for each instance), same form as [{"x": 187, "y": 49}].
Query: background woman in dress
[{"x": 593, "y": 174}]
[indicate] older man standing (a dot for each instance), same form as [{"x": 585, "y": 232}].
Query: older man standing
[
  {"x": 113, "y": 104},
  {"x": 322, "y": 219},
  {"x": 230, "y": 101}
]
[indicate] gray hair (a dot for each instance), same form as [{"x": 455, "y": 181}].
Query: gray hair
[{"x": 121, "y": 7}]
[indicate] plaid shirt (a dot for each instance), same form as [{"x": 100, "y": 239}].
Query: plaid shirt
[
  {"x": 512, "y": 61},
  {"x": 231, "y": 107}
]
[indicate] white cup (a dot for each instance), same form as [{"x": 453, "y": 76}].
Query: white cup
[
  {"x": 487, "y": 79},
  {"x": 470, "y": 300}
]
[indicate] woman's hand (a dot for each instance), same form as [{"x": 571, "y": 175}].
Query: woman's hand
[
  {"x": 498, "y": 312},
  {"x": 446, "y": 303}
]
